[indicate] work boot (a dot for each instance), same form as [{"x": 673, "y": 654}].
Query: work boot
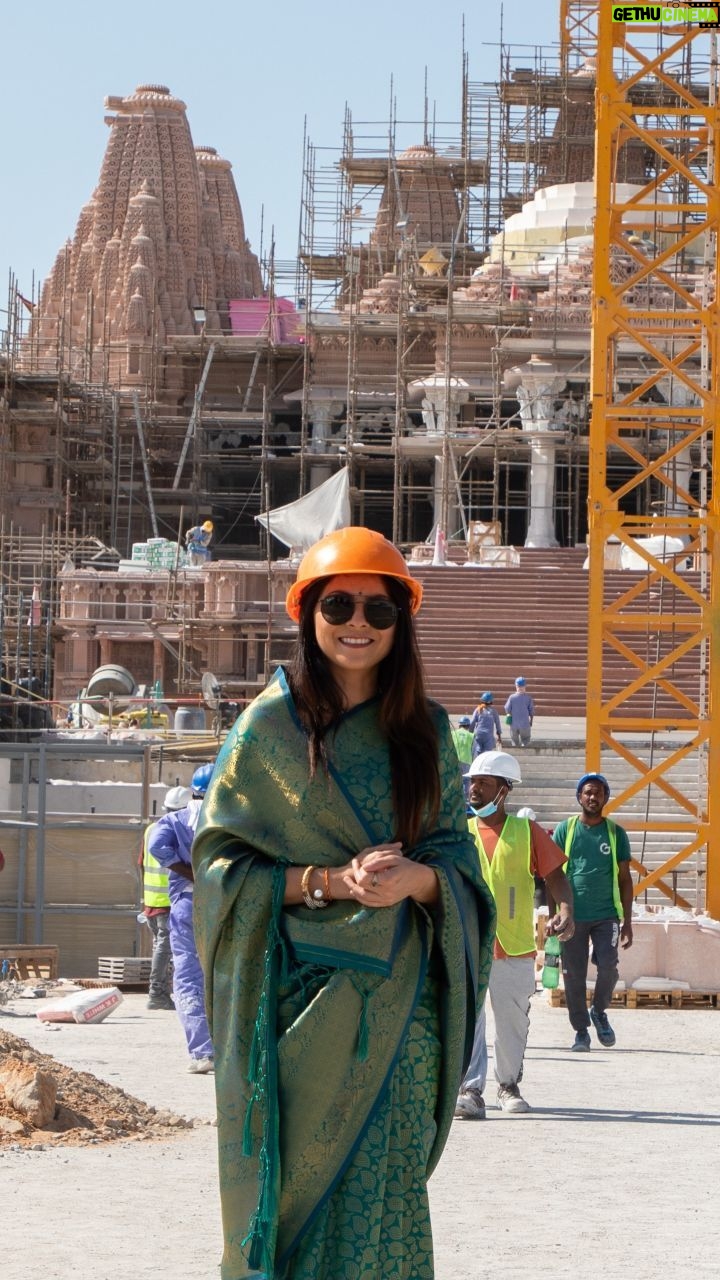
[
  {"x": 470, "y": 1105},
  {"x": 605, "y": 1033},
  {"x": 201, "y": 1066},
  {"x": 160, "y": 1002},
  {"x": 582, "y": 1042},
  {"x": 511, "y": 1100}
]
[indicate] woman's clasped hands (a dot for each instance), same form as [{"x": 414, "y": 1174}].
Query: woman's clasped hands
[{"x": 380, "y": 876}]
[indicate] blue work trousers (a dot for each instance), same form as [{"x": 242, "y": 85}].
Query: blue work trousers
[{"x": 188, "y": 981}]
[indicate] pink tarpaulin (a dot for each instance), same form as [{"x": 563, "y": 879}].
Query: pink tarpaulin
[{"x": 278, "y": 319}]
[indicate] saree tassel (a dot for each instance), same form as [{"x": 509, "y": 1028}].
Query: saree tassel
[
  {"x": 247, "y": 1128},
  {"x": 255, "y": 1050},
  {"x": 258, "y": 1256}
]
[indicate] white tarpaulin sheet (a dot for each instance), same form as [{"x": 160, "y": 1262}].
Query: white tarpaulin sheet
[
  {"x": 302, "y": 522},
  {"x": 660, "y": 546}
]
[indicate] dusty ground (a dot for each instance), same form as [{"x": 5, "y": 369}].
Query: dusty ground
[{"x": 614, "y": 1172}]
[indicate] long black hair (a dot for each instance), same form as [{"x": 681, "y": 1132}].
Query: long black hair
[{"x": 405, "y": 717}]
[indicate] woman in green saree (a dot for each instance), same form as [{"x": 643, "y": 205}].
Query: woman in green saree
[{"x": 345, "y": 933}]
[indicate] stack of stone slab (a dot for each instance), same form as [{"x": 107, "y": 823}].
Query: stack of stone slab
[{"x": 673, "y": 949}]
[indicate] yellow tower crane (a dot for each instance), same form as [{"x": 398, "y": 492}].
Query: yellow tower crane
[
  {"x": 654, "y": 650},
  {"x": 578, "y": 33}
]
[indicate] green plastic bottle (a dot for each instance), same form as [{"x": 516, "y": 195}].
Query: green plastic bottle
[{"x": 551, "y": 966}]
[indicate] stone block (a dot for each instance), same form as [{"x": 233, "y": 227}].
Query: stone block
[
  {"x": 30, "y": 1092},
  {"x": 646, "y": 956},
  {"x": 693, "y": 954}
]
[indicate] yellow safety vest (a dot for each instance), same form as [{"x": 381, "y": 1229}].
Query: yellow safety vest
[
  {"x": 612, "y": 837},
  {"x": 155, "y": 877},
  {"x": 511, "y": 883},
  {"x": 463, "y": 740}
]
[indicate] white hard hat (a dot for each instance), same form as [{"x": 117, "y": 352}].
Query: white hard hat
[
  {"x": 495, "y": 764},
  {"x": 526, "y": 812},
  {"x": 177, "y": 798}
]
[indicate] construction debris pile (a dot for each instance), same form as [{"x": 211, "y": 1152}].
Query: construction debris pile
[{"x": 44, "y": 1103}]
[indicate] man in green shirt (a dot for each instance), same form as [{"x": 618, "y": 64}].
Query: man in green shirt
[{"x": 598, "y": 868}]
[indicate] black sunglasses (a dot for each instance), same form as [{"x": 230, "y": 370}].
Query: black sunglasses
[{"x": 339, "y": 607}]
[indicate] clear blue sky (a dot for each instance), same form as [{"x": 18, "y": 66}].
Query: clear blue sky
[{"x": 249, "y": 73}]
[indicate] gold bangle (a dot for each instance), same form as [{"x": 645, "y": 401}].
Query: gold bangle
[
  {"x": 326, "y": 885},
  {"x": 305, "y": 888}
]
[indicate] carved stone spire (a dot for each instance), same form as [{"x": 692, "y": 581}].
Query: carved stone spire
[
  {"x": 163, "y": 232},
  {"x": 424, "y": 199}
]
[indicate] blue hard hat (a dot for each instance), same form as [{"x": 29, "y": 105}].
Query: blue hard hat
[
  {"x": 201, "y": 779},
  {"x": 486, "y": 697},
  {"x": 593, "y": 777},
  {"x": 464, "y": 722},
  {"x": 520, "y": 680}
]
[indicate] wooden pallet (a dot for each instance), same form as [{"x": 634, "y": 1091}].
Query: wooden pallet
[
  {"x": 122, "y": 971},
  {"x": 631, "y": 998},
  {"x": 92, "y": 984},
  {"x": 30, "y": 962}
]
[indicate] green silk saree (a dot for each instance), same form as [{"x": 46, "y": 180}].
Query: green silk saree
[{"x": 340, "y": 1034}]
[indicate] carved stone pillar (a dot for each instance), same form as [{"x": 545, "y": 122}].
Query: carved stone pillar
[
  {"x": 442, "y": 400},
  {"x": 322, "y": 413},
  {"x": 446, "y": 509},
  {"x": 540, "y": 385},
  {"x": 541, "y": 526}
]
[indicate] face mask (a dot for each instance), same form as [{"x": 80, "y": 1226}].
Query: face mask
[{"x": 487, "y": 810}]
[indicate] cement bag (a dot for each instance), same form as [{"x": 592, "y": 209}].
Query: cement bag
[{"x": 82, "y": 1006}]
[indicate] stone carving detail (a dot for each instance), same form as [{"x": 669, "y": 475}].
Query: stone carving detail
[{"x": 162, "y": 233}]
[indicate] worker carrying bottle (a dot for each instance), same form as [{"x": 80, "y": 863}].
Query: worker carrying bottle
[
  {"x": 197, "y": 543},
  {"x": 512, "y": 851}
]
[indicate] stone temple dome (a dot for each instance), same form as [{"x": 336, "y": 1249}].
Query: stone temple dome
[{"x": 162, "y": 233}]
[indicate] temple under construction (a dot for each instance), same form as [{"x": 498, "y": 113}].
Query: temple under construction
[
  {"x": 498, "y": 342},
  {"x": 432, "y": 342}
]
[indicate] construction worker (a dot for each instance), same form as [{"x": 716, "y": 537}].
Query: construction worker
[
  {"x": 485, "y": 725},
  {"x": 598, "y": 868},
  {"x": 156, "y": 909},
  {"x": 519, "y": 712},
  {"x": 463, "y": 740},
  {"x": 197, "y": 543},
  {"x": 170, "y": 842},
  {"x": 512, "y": 851}
]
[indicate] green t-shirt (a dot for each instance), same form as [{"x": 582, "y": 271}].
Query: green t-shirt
[{"x": 590, "y": 867}]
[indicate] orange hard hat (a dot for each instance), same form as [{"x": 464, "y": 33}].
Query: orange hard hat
[{"x": 351, "y": 550}]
